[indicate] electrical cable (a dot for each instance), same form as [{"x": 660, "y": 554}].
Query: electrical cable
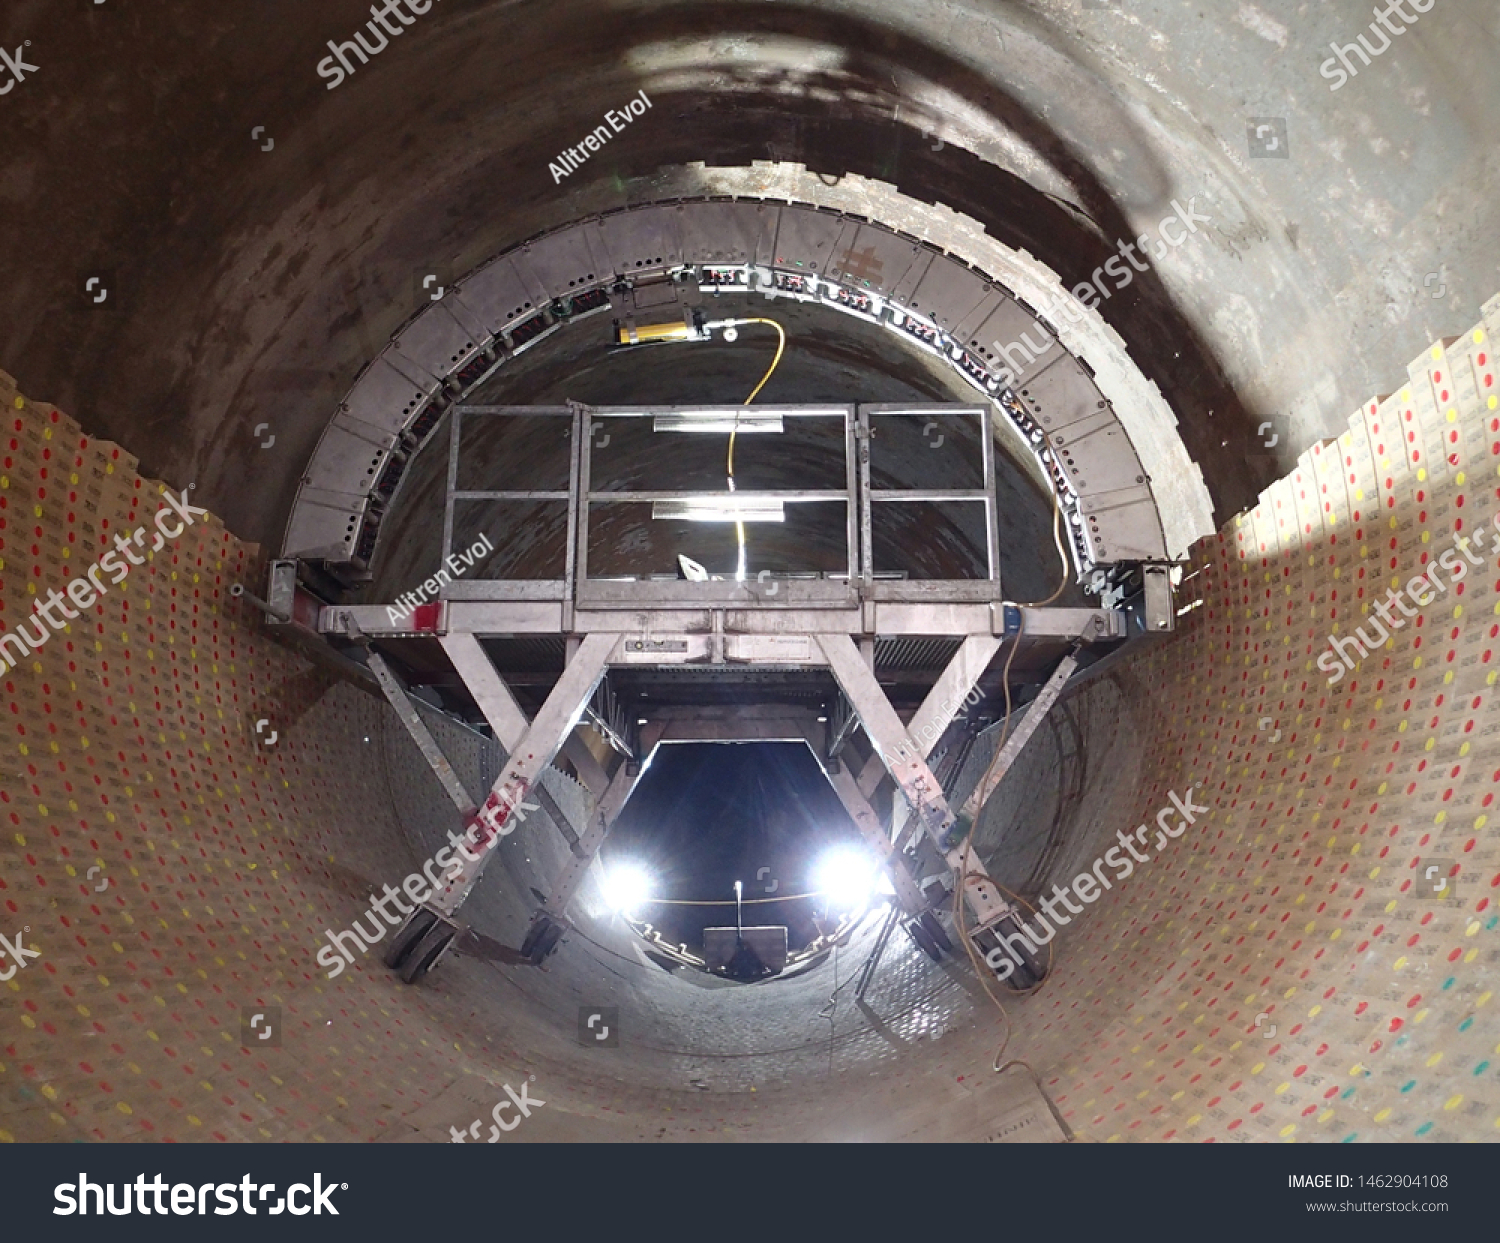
[
  {"x": 790, "y": 897},
  {"x": 739, "y": 527},
  {"x": 1037, "y": 1080}
]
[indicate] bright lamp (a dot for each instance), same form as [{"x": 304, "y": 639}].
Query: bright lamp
[
  {"x": 846, "y": 877},
  {"x": 626, "y": 886}
]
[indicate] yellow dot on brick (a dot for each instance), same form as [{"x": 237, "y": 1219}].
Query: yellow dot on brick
[
  {"x": 1453, "y": 1102},
  {"x": 1479, "y": 336},
  {"x": 1288, "y": 1129},
  {"x": 1383, "y": 1114},
  {"x": 123, "y": 1107}
]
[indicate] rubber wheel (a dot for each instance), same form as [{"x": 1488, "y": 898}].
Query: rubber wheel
[
  {"x": 925, "y": 940},
  {"x": 1021, "y": 980},
  {"x": 407, "y": 936},
  {"x": 1029, "y": 972},
  {"x": 429, "y": 949},
  {"x": 533, "y": 935},
  {"x": 546, "y": 942},
  {"x": 935, "y": 929}
]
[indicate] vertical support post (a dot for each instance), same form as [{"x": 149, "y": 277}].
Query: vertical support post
[
  {"x": 852, "y": 492},
  {"x": 866, "y": 539},
  {"x": 581, "y": 428},
  {"x": 991, "y": 517},
  {"x": 455, "y": 431},
  {"x": 584, "y": 484}
]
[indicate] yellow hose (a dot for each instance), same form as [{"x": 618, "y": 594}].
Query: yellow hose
[{"x": 739, "y": 527}]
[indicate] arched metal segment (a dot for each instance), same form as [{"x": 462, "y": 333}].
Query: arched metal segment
[{"x": 624, "y": 262}]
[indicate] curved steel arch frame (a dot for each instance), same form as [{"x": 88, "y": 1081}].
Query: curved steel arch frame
[{"x": 1054, "y": 406}]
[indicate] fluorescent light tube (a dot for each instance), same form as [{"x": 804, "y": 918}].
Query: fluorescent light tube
[
  {"x": 720, "y": 421},
  {"x": 720, "y": 509}
]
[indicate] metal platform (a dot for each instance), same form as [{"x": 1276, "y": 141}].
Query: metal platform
[{"x": 868, "y": 667}]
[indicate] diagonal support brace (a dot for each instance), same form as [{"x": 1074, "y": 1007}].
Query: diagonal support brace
[
  {"x": 620, "y": 788},
  {"x": 907, "y": 767},
  {"x": 1036, "y": 713},
  {"x": 396, "y": 693},
  {"x": 908, "y": 895},
  {"x": 506, "y": 719},
  {"x": 498, "y": 815}
]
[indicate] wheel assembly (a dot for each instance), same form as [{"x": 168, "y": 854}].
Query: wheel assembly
[
  {"x": 926, "y": 942},
  {"x": 1029, "y": 971},
  {"x": 934, "y": 926},
  {"x": 407, "y": 936},
  {"x": 542, "y": 938},
  {"x": 428, "y": 951}
]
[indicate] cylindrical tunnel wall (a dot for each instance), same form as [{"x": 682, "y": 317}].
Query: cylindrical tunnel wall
[{"x": 189, "y": 807}]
